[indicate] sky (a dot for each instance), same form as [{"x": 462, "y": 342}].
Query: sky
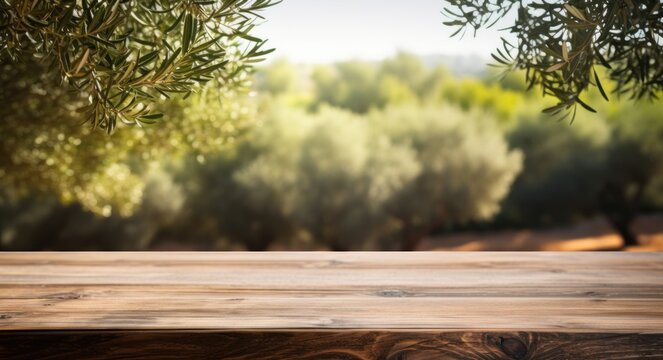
[{"x": 320, "y": 31}]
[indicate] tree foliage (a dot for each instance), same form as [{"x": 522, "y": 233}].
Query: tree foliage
[
  {"x": 346, "y": 181},
  {"x": 44, "y": 150},
  {"x": 599, "y": 166},
  {"x": 418, "y": 157},
  {"x": 562, "y": 171},
  {"x": 121, "y": 56},
  {"x": 560, "y": 44},
  {"x": 404, "y": 80},
  {"x": 466, "y": 168}
]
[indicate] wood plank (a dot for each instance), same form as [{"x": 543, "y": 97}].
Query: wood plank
[
  {"x": 331, "y": 305},
  {"x": 327, "y": 345},
  {"x": 577, "y": 292}
]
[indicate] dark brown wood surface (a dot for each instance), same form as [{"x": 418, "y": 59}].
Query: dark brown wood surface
[
  {"x": 327, "y": 345},
  {"x": 331, "y": 305}
]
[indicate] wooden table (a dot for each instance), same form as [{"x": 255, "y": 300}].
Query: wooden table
[{"x": 331, "y": 305}]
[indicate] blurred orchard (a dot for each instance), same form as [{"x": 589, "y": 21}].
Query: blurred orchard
[{"x": 347, "y": 156}]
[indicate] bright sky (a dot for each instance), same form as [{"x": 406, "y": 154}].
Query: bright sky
[{"x": 315, "y": 31}]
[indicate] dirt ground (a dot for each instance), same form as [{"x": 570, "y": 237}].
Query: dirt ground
[{"x": 590, "y": 235}]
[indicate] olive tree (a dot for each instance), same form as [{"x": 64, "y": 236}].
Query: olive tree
[
  {"x": 122, "y": 56},
  {"x": 634, "y": 174},
  {"x": 45, "y": 150},
  {"x": 466, "y": 168},
  {"x": 597, "y": 167},
  {"x": 346, "y": 174},
  {"x": 562, "y": 170},
  {"x": 108, "y": 63},
  {"x": 560, "y": 43},
  {"x": 322, "y": 178}
]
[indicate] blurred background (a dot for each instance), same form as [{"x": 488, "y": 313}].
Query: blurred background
[{"x": 375, "y": 133}]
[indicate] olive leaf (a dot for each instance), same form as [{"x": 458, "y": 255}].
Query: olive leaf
[
  {"x": 125, "y": 54},
  {"x": 560, "y": 42}
]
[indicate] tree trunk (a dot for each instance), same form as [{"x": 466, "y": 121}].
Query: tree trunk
[
  {"x": 621, "y": 209},
  {"x": 623, "y": 227},
  {"x": 335, "y": 246},
  {"x": 411, "y": 237},
  {"x": 410, "y": 242}
]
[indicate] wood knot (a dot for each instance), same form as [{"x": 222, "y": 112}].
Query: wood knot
[
  {"x": 391, "y": 293},
  {"x": 513, "y": 348},
  {"x": 5, "y": 316}
]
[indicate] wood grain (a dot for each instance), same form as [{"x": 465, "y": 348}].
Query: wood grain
[
  {"x": 327, "y": 345},
  {"x": 331, "y": 305}
]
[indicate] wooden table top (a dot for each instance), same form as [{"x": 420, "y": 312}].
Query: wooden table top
[{"x": 422, "y": 291}]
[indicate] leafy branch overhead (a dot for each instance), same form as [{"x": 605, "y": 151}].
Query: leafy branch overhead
[
  {"x": 560, "y": 44},
  {"x": 122, "y": 55}
]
